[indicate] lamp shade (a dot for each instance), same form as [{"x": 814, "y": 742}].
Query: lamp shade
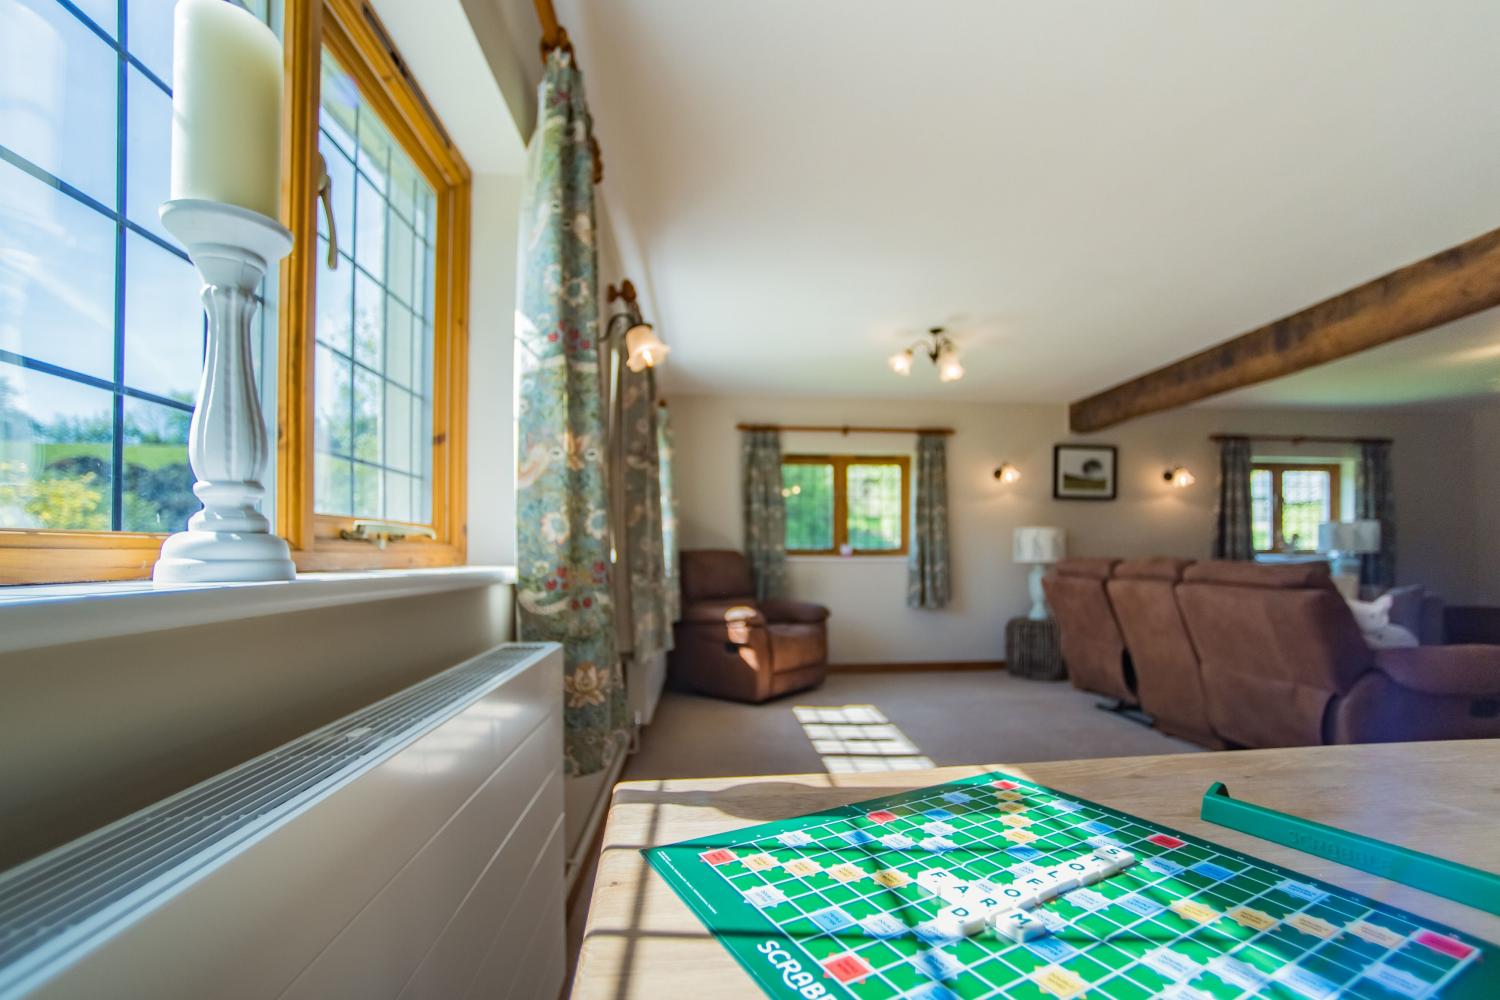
[
  {"x": 1038, "y": 545},
  {"x": 643, "y": 348},
  {"x": 1349, "y": 536}
]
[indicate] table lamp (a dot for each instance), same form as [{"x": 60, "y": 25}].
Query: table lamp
[
  {"x": 1041, "y": 547},
  {"x": 1345, "y": 542}
]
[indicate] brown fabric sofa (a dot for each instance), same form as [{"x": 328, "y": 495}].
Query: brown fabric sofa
[
  {"x": 730, "y": 645},
  {"x": 1162, "y": 657},
  {"x": 1092, "y": 646},
  {"x": 1283, "y": 663}
]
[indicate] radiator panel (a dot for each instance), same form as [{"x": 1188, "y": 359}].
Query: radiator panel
[{"x": 266, "y": 900}]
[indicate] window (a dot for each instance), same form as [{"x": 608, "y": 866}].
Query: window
[
  {"x": 361, "y": 367},
  {"x": 1288, "y": 502},
  {"x": 854, "y": 504},
  {"x": 101, "y": 334}
]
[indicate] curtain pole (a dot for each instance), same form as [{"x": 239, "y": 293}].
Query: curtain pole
[
  {"x": 843, "y": 429},
  {"x": 1301, "y": 438}
]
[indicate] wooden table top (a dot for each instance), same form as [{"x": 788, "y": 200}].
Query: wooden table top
[{"x": 1442, "y": 798}]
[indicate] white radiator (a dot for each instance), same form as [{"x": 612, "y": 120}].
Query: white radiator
[{"x": 413, "y": 849}]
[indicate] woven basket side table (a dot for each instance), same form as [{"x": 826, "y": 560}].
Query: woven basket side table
[{"x": 1032, "y": 650}]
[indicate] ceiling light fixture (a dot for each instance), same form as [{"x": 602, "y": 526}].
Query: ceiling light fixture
[
  {"x": 643, "y": 348},
  {"x": 940, "y": 350}
]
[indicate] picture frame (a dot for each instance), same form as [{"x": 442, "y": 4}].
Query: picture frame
[{"x": 1085, "y": 472}]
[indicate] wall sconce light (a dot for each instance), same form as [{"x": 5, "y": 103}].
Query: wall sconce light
[
  {"x": 1007, "y": 473},
  {"x": 643, "y": 348},
  {"x": 1179, "y": 476}
]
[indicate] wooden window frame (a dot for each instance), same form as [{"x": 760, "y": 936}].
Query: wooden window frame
[
  {"x": 357, "y": 39},
  {"x": 840, "y": 464},
  {"x": 1335, "y": 474}
]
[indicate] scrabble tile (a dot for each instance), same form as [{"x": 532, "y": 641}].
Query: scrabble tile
[
  {"x": 960, "y": 920},
  {"x": 934, "y": 879},
  {"x": 1020, "y": 896},
  {"x": 1016, "y": 925},
  {"x": 1058, "y": 880},
  {"x": 1117, "y": 858}
]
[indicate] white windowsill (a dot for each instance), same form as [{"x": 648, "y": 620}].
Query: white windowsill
[{"x": 49, "y": 615}]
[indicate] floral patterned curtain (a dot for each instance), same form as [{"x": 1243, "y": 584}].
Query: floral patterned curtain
[
  {"x": 562, "y": 500},
  {"x": 765, "y": 511},
  {"x": 1232, "y": 539},
  {"x": 672, "y": 580},
  {"x": 1375, "y": 499},
  {"x": 643, "y": 550},
  {"x": 928, "y": 577}
]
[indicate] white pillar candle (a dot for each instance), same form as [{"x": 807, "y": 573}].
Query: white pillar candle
[{"x": 226, "y": 107}]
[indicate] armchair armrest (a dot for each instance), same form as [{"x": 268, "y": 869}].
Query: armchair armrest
[
  {"x": 778, "y": 609},
  {"x": 1462, "y": 670},
  {"x": 722, "y": 612}
]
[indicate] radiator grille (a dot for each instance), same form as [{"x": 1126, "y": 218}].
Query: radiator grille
[{"x": 61, "y": 900}]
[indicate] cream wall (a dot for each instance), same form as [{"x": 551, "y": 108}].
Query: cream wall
[
  {"x": 871, "y": 623},
  {"x": 492, "y": 324}
]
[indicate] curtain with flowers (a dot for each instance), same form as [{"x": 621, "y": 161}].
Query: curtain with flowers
[
  {"x": 562, "y": 501},
  {"x": 928, "y": 573},
  {"x": 1375, "y": 500},
  {"x": 764, "y": 511},
  {"x": 643, "y": 555},
  {"x": 671, "y": 576}
]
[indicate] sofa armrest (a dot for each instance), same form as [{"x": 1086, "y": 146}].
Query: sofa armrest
[
  {"x": 782, "y": 610},
  {"x": 723, "y": 612},
  {"x": 1460, "y": 670}
]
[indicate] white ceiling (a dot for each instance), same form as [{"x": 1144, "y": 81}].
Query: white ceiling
[{"x": 1085, "y": 190}]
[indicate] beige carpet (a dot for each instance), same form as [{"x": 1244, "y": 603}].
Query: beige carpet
[{"x": 947, "y": 717}]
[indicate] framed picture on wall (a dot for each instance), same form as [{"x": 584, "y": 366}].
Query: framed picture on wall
[{"x": 1084, "y": 471}]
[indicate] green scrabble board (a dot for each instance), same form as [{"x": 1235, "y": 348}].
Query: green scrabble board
[{"x": 830, "y": 905}]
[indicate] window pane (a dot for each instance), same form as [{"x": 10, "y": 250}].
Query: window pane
[
  {"x": 158, "y": 482},
  {"x": 874, "y": 507},
  {"x": 1305, "y": 495},
  {"x": 164, "y": 325},
  {"x": 57, "y": 89},
  {"x": 67, "y": 256},
  {"x": 808, "y": 490},
  {"x": 57, "y": 277},
  {"x": 55, "y": 452},
  {"x": 150, "y": 24},
  {"x": 384, "y": 362},
  {"x": 148, "y": 152},
  {"x": 1260, "y": 509}
]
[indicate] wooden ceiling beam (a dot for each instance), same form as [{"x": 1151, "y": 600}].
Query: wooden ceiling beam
[{"x": 1439, "y": 289}]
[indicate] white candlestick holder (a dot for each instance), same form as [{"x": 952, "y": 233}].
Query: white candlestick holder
[{"x": 229, "y": 540}]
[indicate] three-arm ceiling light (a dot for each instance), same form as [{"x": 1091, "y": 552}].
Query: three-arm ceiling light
[{"x": 940, "y": 350}]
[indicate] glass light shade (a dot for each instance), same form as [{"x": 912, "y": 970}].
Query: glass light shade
[
  {"x": 1182, "y": 478},
  {"x": 1007, "y": 473},
  {"x": 949, "y": 369},
  {"x": 900, "y": 362},
  {"x": 643, "y": 348}
]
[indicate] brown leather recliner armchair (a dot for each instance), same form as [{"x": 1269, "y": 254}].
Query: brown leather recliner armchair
[
  {"x": 1165, "y": 664},
  {"x": 1284, "y": 664},
  {"x": 730, "y": 645},
  {"x": 1092, "y": 646}
]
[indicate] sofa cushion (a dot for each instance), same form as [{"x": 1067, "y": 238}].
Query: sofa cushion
[
  {"x": 1406, "y": 607},
  {"x": 1092, "y": 568},
  {"x": 1158, "y": 568},
  {"x": 1252, "y": 574},
  {"x": 794, "y": 646},
  {"x": 714, "y": 573}
]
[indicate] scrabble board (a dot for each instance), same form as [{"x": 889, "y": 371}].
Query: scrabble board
[{"x": 859, "y": 902}]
